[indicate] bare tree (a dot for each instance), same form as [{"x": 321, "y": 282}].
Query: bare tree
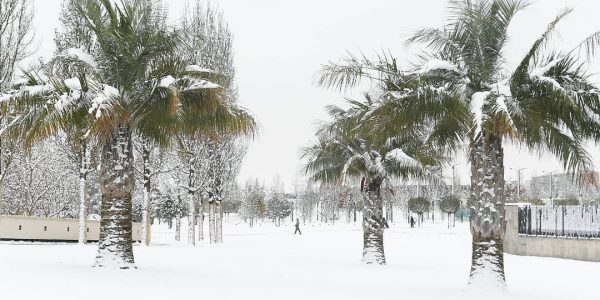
[
  {"x": 208, "y": 44},
  {"x": 16, "y": 35},
  {"x": 42, "y": 183},
  {"x": 224, "y": 160}
]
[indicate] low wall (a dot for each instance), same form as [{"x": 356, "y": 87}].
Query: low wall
[
  {"x": 51, "y": 229},
  {"x": 547, "y": 246}
]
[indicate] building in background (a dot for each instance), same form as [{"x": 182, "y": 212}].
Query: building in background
[{"x": 565, "y": 186}]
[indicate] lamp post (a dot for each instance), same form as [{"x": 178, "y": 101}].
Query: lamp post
[
  {"x": 454, "y": 175},
  {"x": 551, "y": 190},
  {"x": 519, "y": 181}
]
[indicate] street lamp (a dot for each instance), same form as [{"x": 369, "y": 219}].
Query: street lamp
[
  {"x": 454, "y": 174},
  {"x": 519, "y": 182},
  {"x": 551, "y": 192}
]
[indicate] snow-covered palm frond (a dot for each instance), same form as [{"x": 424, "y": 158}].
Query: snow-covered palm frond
[
  {"x": 438, "y": 65},
  {"x": 352, "y": 70},
  {"x": 589, "y": 45},
  {"x": 348, "y": 150},
  {"x": 538, "y": 46},
  {"x": 399, "y": 157},
  {"x": 437, "y": 40}
]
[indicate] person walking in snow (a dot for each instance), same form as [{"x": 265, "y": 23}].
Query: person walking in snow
[
  {"x": 385, "y": 224},
  {"x": 297, "y": 227},
  {"x": 412, "y": 222}
]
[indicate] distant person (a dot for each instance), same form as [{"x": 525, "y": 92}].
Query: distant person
[
  {"x": 385, "y": 223},
  {"x": 412, "y": 222},
  {"x": 298, "y": 227}
]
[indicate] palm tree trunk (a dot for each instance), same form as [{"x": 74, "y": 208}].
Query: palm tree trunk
[
  {"x": 83, "y": 195},
  {"x": 147, "y": 206},
  {"x": 116, "y": 183},
  {"x": 487, "y": 212},
  {"x": 373, "y": 224}
]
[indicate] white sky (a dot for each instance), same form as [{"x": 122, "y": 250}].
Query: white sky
[{"x": 280, "y": 45}]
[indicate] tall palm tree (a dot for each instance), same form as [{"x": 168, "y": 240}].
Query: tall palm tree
[
  {"x": 463, "y": 85},
  {"x": 134, "y": 84},
  {"x": 347, "y": 148}
]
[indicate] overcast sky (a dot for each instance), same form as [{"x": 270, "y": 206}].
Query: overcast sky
[{"x": 279, "y": 46}]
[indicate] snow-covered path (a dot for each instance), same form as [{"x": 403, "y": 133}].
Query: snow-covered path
[{"x": 267, "y": 262}]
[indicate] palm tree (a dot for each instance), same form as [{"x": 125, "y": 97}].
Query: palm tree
[
  {"x": 134, "y": 84},
  {"x": 464, "y": 87},
  {"x": 346, "y": 148}
]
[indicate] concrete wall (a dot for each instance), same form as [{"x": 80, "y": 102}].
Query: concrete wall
[
  {"x": 51, "y": 229},
  {"x": 560, "y": 247}
]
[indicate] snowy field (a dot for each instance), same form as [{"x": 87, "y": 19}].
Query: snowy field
[{"x": 268, "y": 262}]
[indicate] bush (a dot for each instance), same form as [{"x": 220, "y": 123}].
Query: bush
[
  {"x": 278, "y": 208},
  {"x": 450, "y": 204},
  {"x": 535, "y": 201},
  {"x": 571, "y": 201},
  {"x": 231, "y": 206},
  {"x": 418, "y": 205}
]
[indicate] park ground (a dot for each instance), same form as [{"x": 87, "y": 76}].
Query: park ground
[{"x": 268, "y": 262}]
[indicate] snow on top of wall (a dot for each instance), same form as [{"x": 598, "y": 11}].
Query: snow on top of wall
[
  {"x": 438, "y": 64},
  {"x": 83, "y": 56},
  {"x": 477, "y": 102}
]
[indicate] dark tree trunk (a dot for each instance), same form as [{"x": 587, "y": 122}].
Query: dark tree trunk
[
  {"x": 487, "y": 212},
  {"x": 201, "y": 223},
  {"x": 116, "y": 183},
  {"x": 373, "y": 223}
]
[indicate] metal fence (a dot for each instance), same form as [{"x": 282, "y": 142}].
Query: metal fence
[{"x": 560, "y": 220}]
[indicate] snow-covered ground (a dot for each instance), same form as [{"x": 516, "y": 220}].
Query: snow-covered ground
[{"x": 267, "y": 262}]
